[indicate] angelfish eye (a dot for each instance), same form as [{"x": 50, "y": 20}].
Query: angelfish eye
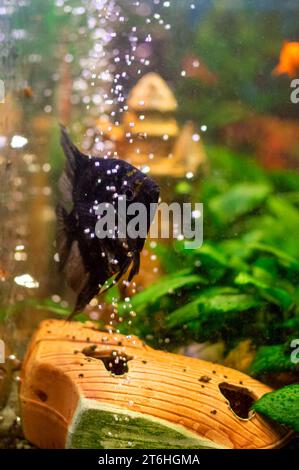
[{"x": 129, "y": 193}]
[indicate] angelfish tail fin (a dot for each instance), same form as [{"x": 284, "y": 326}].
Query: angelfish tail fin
[
  {"x": 89, "y": 291},
  {"x": 135, "y": 267},
  {"x": 63, "y": 236}
]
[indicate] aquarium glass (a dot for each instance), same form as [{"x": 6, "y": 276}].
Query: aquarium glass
[{"x": 202, "y": 98}]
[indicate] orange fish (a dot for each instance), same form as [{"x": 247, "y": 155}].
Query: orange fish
[{"x": 288, "y": 60}]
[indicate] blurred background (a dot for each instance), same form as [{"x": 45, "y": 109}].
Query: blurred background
[{"x": 198, "y": 94}]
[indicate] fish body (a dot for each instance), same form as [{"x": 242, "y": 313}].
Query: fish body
[
  {"x": 87, "y": 260},
  {"x": 288, "y": 60}
]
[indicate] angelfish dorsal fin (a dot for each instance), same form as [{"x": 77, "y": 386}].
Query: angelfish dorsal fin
[{"x": 75, "y": 161}]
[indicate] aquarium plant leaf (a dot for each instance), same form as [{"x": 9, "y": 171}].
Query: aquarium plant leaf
[
  {"x": 281, "y": 405},
  {"x": 247, "y": 251},
  {"x": 112, "y": 294},
  {"x": 56, "y": 309},
  {"x": 283, "y": 258},
  {"x": 272, "y": 294},
  {"x": 292, "y": 324},
  {"x": 184, "y": 314},
  {"x": 213, "y": 253},
  {"x": 228, "y": 303},
  {"x": 189, "y": 311},
  {"x": 168, "y": 257},
  {"x": 265, "y": 268},
  {"x": 165, "y": 286},
  {"x": 211, "y": 261},
  {"x": 270, "y": 359},
  {"x": 207, "y": 306},
  {"x": 286, "y": 212},
  {"x": 240, "y": 199}
]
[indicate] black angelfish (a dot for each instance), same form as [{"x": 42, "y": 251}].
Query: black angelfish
[{"x": 87, "y": 260}]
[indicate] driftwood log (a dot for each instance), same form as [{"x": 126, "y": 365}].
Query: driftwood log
[{"x": 84, "y": 388}]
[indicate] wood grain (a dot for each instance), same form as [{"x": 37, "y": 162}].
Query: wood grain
[{"x": 58, "y": 371}]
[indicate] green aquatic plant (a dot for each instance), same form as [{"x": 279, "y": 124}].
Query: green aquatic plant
[
  {"x": 242, "y": 282},
  {"x": 273, "y": 358},
  {"x": 248, "y": 272},
  {"x": 281, "y": 405}
]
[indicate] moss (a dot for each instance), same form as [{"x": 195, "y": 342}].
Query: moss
[
  {"x": 271, "y": 359},
  {"x": 281, "y": 405},
  {"x": 102, "y": 429}
]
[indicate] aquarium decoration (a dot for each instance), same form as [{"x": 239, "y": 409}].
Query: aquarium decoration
[
  {"x": 85, "y": 388},
  {"x": 149, "y": 136},
  {"x": 115, "y": 343}
]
